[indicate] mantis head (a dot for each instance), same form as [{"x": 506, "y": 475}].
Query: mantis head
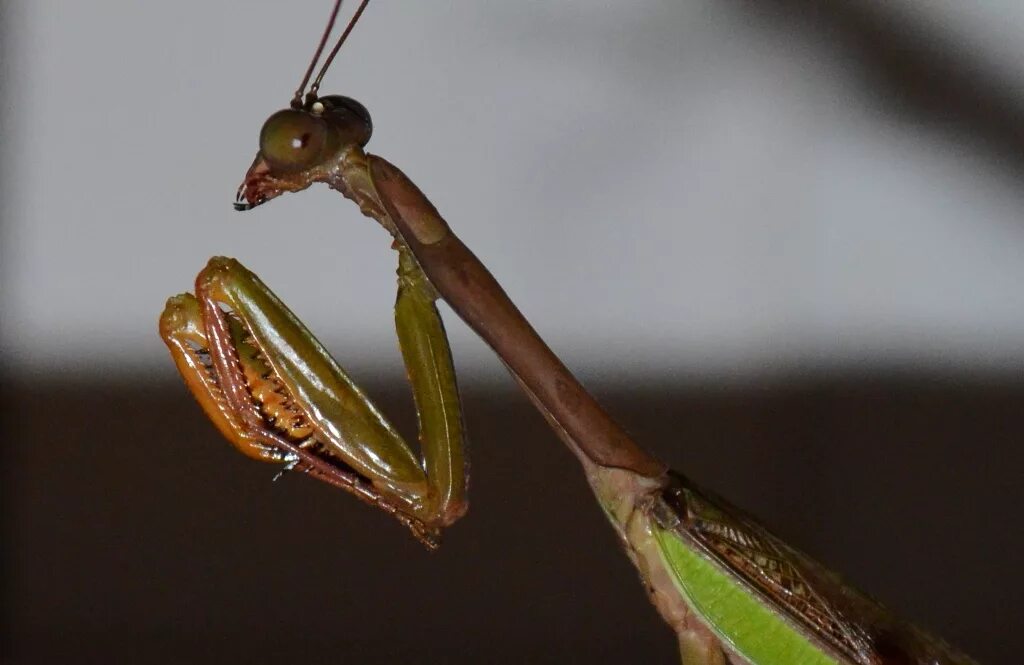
[{"x": 302, "y": 145}]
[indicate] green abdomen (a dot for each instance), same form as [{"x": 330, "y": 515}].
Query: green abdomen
[
  {"x": 769, "y": 602},
  {"x": 737, "y": 616}
]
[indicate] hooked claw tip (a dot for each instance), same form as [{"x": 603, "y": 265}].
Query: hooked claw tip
[
  {"x": 241, "y": 203},
  {"x": 247, "y": 199}
]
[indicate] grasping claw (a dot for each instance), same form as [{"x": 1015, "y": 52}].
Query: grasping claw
[{"x": 273, "y": 390}]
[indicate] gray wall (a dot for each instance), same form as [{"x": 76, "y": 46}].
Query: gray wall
[{"x": 722, "y": 187}]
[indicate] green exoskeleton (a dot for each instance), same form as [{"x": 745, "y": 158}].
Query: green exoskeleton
[
  {"x": 278, "y": 396},
  {"x": 731, "y": 591}
]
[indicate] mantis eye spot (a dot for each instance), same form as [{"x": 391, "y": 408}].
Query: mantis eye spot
[{"x": 293, "y": 140}]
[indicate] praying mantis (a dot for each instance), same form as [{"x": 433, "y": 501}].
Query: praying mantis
[{"x": 731, "y": 591}]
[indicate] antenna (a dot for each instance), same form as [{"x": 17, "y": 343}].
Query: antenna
[
  {"x": 297, "y": 100},
  {"x": 341, "y": 40}
]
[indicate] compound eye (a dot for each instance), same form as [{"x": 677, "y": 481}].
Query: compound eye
[
  {"x": 293, "y": 140},
  {"x": 350, "y": 118}
]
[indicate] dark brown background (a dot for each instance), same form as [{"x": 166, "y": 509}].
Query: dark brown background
[{"x": 134, "y": 534}]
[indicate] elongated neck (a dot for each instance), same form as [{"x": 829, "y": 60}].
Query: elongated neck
[{"x": 470, "y": 289}]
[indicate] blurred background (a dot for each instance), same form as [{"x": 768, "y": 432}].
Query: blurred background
[{"x": 782, "y": 240}]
